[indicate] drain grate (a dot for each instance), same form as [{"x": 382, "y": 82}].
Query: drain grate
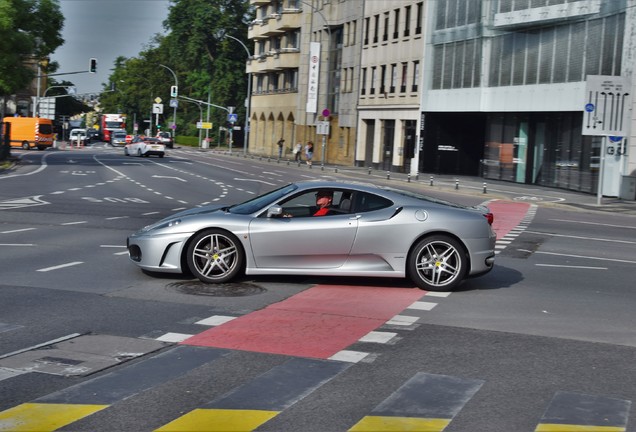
[{"x": 234, "y": 289}]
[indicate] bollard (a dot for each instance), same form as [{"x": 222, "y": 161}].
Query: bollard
[
  {"x": 298, "y": 163},
  {"x": 388, "y": 175},
  {"x": 485, "y": 191},
  {"x": 456, "y": 184},
  {"x": 408, "y": 178},
  {"x": 431, "y": 180},
  {"x": 417, "y": 176},
  {"x": 369, "y": 171},
  {"x": 322, "y": 167},
  {"x": 336, "y": 170},
  {"x": 287, "y": 161}
]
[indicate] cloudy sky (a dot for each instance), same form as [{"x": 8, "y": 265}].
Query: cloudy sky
[{"x": 105, "y": 29}]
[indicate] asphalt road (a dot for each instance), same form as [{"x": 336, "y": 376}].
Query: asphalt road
[{"x": 546, "y": 339}]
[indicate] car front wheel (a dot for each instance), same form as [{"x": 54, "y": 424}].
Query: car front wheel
[
  {"x": 215, "y": 256},
  {"x": 437, "y": 263}
]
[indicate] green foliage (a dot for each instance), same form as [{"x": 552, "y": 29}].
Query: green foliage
[
  {"x": 29, "y": 30},
  {"x": 206, "y": 64}
]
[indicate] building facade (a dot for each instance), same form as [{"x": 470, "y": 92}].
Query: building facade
[
  {"x": 294, "y": 88},
  {"x": 505, "y": 91},
  {"x": 492, "y": 88}
]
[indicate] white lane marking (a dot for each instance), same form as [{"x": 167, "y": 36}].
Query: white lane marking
[
  {"x": 74, "y": 223},
  {"x": 17, "y": 244},
  {"x": 572, "y": 266},
  {"x": 579, "y": 256},
  {"x": 215, "y": 320},
  {"x": 254, "y": 180},
  {"x": 349, "y": 356},
  {"x": 402, "y": 320},
  {"x": 594, "y": 223},
  {"x": 581, "y": 237},
  {"x": 174, "y": 337},
  {"x": 438, "y": 293},
  {"x": 74, "y": 263},
  {"x": 171, "y": 177},
  {"x": 378, "y": 337},
  {"x": 117, "y": 217},
  {"x": 17, "y": 230},
  {"x": 121, "y": 253},
  {"x": 420, "y": 305},
  {"x": 112, "y": 246}
]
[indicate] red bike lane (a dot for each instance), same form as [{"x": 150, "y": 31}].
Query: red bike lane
[{"x": 325, "y": 319}]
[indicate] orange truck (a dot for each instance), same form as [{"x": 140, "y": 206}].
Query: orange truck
[{"x": 30, "y": 132}]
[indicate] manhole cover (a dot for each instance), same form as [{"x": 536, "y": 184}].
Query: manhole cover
[{"x": 234, "y": 289}]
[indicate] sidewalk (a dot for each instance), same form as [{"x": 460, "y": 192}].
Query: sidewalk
[{"x": 487, "y": 188}]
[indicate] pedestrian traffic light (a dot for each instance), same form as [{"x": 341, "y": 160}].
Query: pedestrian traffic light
[
  {"x": 174, "y": 91},
  {"x": 93, "y": 65}
]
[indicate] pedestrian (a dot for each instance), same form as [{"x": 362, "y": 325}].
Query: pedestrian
[
  {"x": 281, "y": 144},
  {"x": 298, "y": 152},
  {"x": 309, "y": 152}
]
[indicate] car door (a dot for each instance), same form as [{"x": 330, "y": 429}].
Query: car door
[{"x": 302, "y": 242}]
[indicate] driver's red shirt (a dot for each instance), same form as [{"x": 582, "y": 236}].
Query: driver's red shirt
[{"x": 322, "y": 212}]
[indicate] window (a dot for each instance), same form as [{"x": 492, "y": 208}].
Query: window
[
  {"x": 376, "y": 30},
  {"x": 407, "y": 20},
  {"x": 373, "y": 78},
  {"x": 385, "y": 34},
  {"x": 396, "y": 23},
  {"x": 382, "y": 79},
  {"x": 367, "y": 22},
  {"x": 363, "y": 81},
  {"x": 405, "y": 69},
  {"x": 416, "y": 74},
  {"x": 393, "y": 78},
  {"x": 418, "y": 18}
]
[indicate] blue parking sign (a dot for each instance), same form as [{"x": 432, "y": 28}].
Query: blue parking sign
[{"x": 232, "y": 118}]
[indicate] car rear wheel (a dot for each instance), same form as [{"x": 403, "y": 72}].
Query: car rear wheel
[
  {"x": 437, "y": 263},
  {"x": 215, "y": 256}
]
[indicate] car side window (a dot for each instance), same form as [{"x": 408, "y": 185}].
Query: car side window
[{"x": 364, "y": 202}]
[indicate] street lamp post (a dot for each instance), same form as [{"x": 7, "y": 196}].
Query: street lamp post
[
  {"x": 246, "y": 128},
  {"x": 174, "y": 112}
]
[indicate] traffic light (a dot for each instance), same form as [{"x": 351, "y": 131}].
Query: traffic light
[
  {"x": 174, "y": 91},
  {"x": 93, "y": 65}
]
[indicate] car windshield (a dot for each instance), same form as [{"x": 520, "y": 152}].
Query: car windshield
[{"x": 262, "y": 201}]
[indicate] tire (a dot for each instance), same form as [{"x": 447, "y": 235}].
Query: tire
[
  {"x": 25, "y": 145},
  {"x": 215, "y": 256},
  {"x": 437, "y": 263},
  {"x": 139, "y": 153}
]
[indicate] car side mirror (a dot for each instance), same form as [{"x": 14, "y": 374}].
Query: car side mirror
[{"x": 274, "y": 211}]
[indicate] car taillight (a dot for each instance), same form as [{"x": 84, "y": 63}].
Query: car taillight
[{"x": 489, "y": 217}]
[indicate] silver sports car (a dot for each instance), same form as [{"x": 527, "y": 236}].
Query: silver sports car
[{"x": 324, "y": 228}]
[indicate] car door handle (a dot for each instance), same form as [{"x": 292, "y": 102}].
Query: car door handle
[{"x": 355, "y": 217}]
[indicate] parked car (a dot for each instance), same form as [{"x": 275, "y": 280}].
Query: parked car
[
  {"x": 372, "y": 231},
  {"x": 144, "y": 146},
  {"x": 165, "y": 138}
]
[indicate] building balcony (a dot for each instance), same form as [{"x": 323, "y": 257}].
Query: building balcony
[
  {"x": 259, "y": 2},
  {"x": 274, "y": 24},
  {"x": 285, "y": 58},
  {"x": 546, "y": 14}
]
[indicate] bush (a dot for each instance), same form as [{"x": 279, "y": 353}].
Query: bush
[{"x": 190, "y": 141}]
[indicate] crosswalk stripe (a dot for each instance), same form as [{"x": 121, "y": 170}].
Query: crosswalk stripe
[
  {"x": 249, "y": 406},
  {"x": 424, "y": 400},
  {"x": 69, "y": 405}
]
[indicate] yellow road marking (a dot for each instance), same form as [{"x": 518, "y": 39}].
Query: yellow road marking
[
  {"x": 218, "y": 420},
  {"x": 44, "y": 417},
  {"x": 399, "y": 424}
]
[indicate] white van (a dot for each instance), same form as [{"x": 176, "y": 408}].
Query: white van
[{"x": 77, "y": 136}]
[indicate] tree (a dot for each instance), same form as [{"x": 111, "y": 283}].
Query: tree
[{"x": 30, "y": 30}]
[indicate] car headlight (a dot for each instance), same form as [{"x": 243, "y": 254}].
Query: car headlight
[{"x": 161, "y": 225}]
